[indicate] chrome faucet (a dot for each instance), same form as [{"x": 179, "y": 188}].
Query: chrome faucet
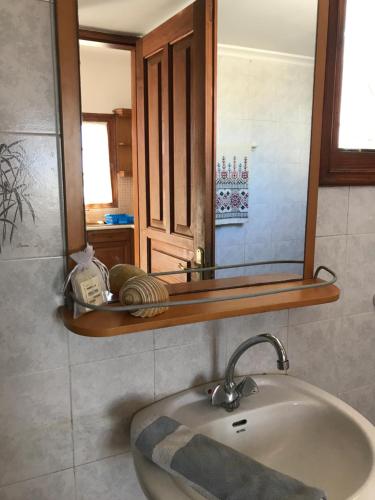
[{"x": 229, "y": 394}]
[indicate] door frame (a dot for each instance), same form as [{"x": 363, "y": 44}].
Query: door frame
[
  {"x": 129, "y": 43},
  {"x": 68, "y": 34}
]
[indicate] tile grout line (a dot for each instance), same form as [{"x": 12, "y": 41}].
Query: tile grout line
[
  {"x": 154, "y": 355},
  {"x": 48, "y": 257},
  {"x": 111, "y": 358},
  {"x": 55, "y": 68},
  {"x": 122, "y": 453},
  {"x": 34, "y": 133},
  {"x": 71, "y": 399},
  {"x": 360, "y": 388},
  {"x": 72, "y": 468},
  {"x": 58, "y": 129},
  {"x": 34, "y": 372},
  {"x": 7, "y": 485}
]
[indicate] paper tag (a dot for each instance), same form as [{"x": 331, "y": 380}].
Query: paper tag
[{"x": 91, "y": 291}]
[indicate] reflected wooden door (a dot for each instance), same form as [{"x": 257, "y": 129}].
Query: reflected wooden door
[{"x": 175, "y": 135}]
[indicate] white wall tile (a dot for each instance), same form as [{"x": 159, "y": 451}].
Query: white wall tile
[
  {"x": 35, "y": 425},
  {"x": 361, "y": 210},
  {"x": 288, "y": 221},
  {"x": 32, "y": 337},
  {"x": 110, "y": 479},
  {"x": 331, "y": 252},
  {"x": 225, "y": 235},
  {"x": 360, "y": 274},
  {"x": 258, "y": 229},
  {"x": 333, "y": 206},
  {"x": 178, "y": 368},
  {"x": 56, "y": 486},
  {"x": 354, "y": 351},
  {"x": 183, "y": 335},
  {"x": 362, "y": 400},
  {"x": 105, "y": 395},
  {"x": 27, "y": 88},
  {"x": 230, "y": 254},
  {"x": 86, "y": 349},
  {"x": 311, "y": 351}
]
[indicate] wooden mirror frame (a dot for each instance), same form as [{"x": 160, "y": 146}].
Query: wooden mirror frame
[{"x": 68, "y": 34}]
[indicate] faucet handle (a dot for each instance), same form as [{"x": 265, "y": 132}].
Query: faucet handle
[{"x": 247, "y": 386}]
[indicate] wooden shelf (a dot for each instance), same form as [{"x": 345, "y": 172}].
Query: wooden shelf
[{"x": 109, "y": 324}]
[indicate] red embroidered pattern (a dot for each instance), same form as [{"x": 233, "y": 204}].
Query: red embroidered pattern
[{"x": 232, "y": 190}]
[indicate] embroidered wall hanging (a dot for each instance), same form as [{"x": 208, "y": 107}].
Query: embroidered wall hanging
[{"x": 232, "y": 192}]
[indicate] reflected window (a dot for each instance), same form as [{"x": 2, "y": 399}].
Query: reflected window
[{"x": 98, "y": 175}]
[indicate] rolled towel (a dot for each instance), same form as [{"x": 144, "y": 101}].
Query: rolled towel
[{"x": 214, "y": 470}]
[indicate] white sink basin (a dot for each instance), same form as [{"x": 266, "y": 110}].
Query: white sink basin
[{"x": 289, "y": 425}]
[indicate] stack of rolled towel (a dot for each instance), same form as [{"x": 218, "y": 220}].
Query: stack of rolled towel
[{"x": 212, "y": 469}]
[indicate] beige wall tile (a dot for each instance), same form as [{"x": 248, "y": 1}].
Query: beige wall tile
[
  {"x": 361, "y": 210},
  {"x": 360, "y": 274},
  {"x": 333, "y": 206},
  {"x": 183, "y": 335},
  {"x": 110, "y": 479},
  {"x": 27, "y": 101},
  {"x": 311, "y": 351},
  {"x": 362, "y": 399},
  {"x": 35, "y": 425},
  {"x": 32, "y": 337},
  {"x": 105, "y": 395},
  {"x": 354, "y": 351},
  {"x": 57, "y": 486},
  {"x": 181, "y": 367},
  {"x": 87, "y": 349},
  {"x": 329, "y": 251}
]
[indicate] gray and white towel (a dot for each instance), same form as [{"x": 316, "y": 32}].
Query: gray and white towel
[{"x": 213, "y": 469}]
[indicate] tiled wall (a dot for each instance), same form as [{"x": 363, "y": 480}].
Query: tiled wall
[
  {"x": 65, "y": 400},
  {"x": 264, "y": 113}
]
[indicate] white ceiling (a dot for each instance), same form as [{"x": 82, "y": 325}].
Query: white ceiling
[
  {"x": 277, "y": 25},
  {"x": 136, "y": 17}
]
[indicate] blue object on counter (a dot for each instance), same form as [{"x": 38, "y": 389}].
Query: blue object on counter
[{"x": 119, "y": 219}]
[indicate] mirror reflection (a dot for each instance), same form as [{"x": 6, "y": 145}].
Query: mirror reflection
[
  {"x": 264, "y": 82},
  {"x": 264, "y": 105},
  {"x": 106, "y": 103}
]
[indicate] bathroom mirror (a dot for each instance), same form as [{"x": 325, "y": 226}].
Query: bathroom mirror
[{"x": 196, "y": 121}]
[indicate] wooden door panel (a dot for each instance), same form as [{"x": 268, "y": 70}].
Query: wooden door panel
[
  {"x": 167, "y": 257},
  {"x": 154, "y": 142},
  {"x": 181, "y": 60},
  {"x": 175, "y": 120}
]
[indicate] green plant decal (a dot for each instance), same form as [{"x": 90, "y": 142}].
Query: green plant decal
[{"x": 14, "y": 184}]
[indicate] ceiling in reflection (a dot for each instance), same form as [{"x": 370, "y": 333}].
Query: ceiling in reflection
[
  {"x": 136, "y": 17},
  {"x": 277, "y": 25}
]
